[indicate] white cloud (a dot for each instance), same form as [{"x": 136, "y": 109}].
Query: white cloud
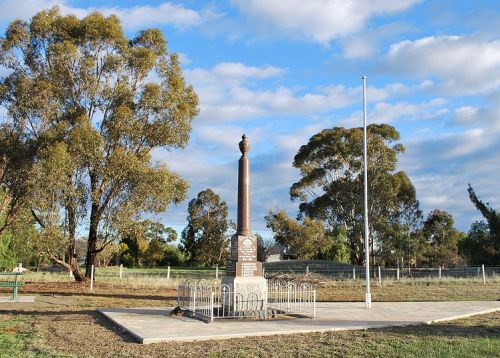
[
  {"x": 442, "y": 164},
  {"x": 13, "y": 9},
  {"x": 364, "y": 44},
  {"x": 226, "y": 95},
  {"x": 319, "y": 20},
  {"x": 147, "y": 16},
  {"x": 184, "y": 59},
  {"x": 238, "y": 70},
  {"x": 464, "y": 65},
  {"x": 486, "y": 116},
  {"x": 132, "y": 18},
  {"x": 386, "y": 112},
  {"x": 466, "y": 114}
]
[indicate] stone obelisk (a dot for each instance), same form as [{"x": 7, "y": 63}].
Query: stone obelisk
[{"x": 243, "y": 271}]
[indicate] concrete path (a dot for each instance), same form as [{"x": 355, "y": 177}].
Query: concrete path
[
  {"x": 9, "y": 299},
  {"x": 152, "y": 325}
]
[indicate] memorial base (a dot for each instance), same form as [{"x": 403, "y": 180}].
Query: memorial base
[{"x": 244, "y": 296}]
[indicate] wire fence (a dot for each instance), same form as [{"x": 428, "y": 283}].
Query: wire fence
[
  {"x": 325, "y": 269},
  {"x": 175, "y": 273},
  {"x": 359, "y": 272}
]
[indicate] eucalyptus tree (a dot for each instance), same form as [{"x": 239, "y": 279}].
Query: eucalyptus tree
[
  {"x": 442, "y": 239},
  {"x": 331, "y": 183},
  {"x": 16, "y": 161},
  {"x": 204, "y": 238},
  {"x": 484, "y": 239},
  {"x": 307, "y": 239},
  {"x": 145, "y": 241},
  {"x": 95, "y": 104}
]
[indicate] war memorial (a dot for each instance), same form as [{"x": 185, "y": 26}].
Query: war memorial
[
  {"x": 251, "y": 305},
  {"x": 244, "y": 292}
]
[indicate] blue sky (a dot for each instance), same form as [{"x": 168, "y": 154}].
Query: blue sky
[{"x": 281, "y": 71}]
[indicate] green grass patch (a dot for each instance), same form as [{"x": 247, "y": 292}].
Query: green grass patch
[{"x": 16, "y": 338}]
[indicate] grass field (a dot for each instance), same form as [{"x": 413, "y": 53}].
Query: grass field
[{"x": 63, "y": 323}]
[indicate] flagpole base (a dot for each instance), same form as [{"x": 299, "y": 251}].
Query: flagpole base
[{"x": 368, "y": 300}]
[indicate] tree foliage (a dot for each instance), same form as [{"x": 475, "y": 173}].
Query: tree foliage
[
  {"x": 146, "y": 243},
  {"x": 306, "y": 239},
  {"x": 331, "y": 183},
  {"x": 337, "y": 248},
  {"x": 485, "y": 241},
  {"x": 18, "y": 242},
  {"x": 204, "y": 239},
  {"x": 92, "y": 105},
  {"x": 442, "y": 238},
  {"x": 477, "y": 248},
  {"x": 16, "y": 159}
]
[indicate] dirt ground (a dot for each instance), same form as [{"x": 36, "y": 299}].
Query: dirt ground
[{"x": 63, "y": 322}]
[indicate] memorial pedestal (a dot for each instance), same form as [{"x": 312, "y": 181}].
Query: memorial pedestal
[
  {"x": 245, "y": 296},
  {"x": 244, "y": 289}
]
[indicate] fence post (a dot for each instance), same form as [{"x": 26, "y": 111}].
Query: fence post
[
  {"x": 354, "y": 273},
  {"x": 484, "y": 274},
  {"x": 217, "y": 272},
  {"x": 91, "y": 277},
  {"x": 194, "y": 300},
  {"x": 121, "y": 271},
  {"x": 314, "y": 304},
  {"x": 439, "y": 271},
  {"x": 379, "y": 278},
  {"x": 168, "y": 272},
  {"x": 212, "y": 294},
  {"x": 397, "y": 273},
  {"x": 307, "y": 270}
]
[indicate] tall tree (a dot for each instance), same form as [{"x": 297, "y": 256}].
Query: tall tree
[
  {"x": 478, "y": 247},
  {"x": 81, "y": 88},
  {"x": 443, "y": 239},
  {"x": 489, "y": 245},
  {"x": 204, "y": 238},
  {"x": 17, "y": 241},
  {"x": 331, "y": 184},
  {"x": 306, "y": 239},
  {"x": 145, "y": 241},
  {"x": 16, "y": 161}
]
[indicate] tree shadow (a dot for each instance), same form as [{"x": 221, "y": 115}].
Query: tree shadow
[
  {"x": 94, "y": 315},
  {"x": 447, "y": 331},
  {"x": 105, "y": 295}
]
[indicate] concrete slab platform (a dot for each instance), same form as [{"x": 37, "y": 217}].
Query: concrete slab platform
[
  {"x": 18, "y": 299},
  {"x": 152, "y": 325}
]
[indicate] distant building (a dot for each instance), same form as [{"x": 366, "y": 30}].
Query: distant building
[{"x": 279, "y": 252}]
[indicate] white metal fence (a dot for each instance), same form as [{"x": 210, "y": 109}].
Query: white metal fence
[
  {"x": 291, "y": 298},
  {"x": 208, "y": 301}
]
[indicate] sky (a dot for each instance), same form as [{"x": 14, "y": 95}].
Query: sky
[{"x": 281, "y": 71}]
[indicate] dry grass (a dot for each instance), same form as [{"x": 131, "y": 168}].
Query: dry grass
[
  {"x": 63, "y": 322},
  {"x": 135, "y": 282},
  {"x": 413, "y": 290}
]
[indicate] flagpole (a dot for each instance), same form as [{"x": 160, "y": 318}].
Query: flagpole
[{"x": 368, "y": 295}]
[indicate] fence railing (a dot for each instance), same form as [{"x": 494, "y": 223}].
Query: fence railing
[
  {"x": 337, "y": 273},
  {"x": 291, "y": 298},
  {"x": 358, "y": 272},
  {"x": 208, "y": 301},
  {"x": 181, "y": 273}
]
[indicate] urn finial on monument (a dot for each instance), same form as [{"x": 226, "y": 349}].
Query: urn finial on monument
[{"x": 244, "y": 145}]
